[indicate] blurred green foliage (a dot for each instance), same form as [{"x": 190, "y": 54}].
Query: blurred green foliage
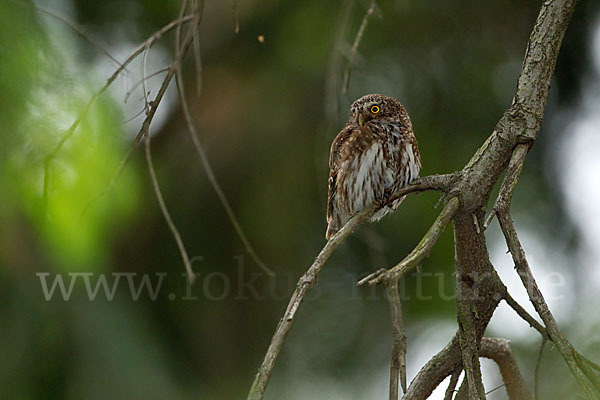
[{"x": 267, "y": 114}]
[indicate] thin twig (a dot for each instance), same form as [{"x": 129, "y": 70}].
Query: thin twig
[
  {"x": 589, "y": 369},
  {"x": 398, "y": 358},
  {"x": 143, "y": 68},
  {"x": 137, "y": 114},
  {"x": 77, "y": 29},
  {"x": 165, "y": 211},
  {"x": 453, "y": 382},
  {"x": 211, "y": 176},
  {"x": 538, "y": 364},
  {"x": 67, "y": 135},
  {"x": 496, "y": 388},
  {"x": 525, "y": 315},
  {"x": 357, "y": 39},
  {"x": 138, "y": 83},
  {"x": 307, "y": 280},
  {"x": 509, "y": 182},
  {"x": 151, "y": 112},
  {"x": 199, "y": 7},
  {"x": 536, "y": 297},
  {"x": 155, "y": 185}
]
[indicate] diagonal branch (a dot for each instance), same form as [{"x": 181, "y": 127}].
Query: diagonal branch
[
  {"x": 525, "y": 315},
  {"x": 420, "y": 252},
  {"x": 78, "y": 30},
  {"x": 502, "y": 211},
  {"x": 541, "y": 307},
  {"x": 257, "y": 391}
]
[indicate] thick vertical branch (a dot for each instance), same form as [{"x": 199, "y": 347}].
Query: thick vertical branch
[{"x": 477, "y": 295}]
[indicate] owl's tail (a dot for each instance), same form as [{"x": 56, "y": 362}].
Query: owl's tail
[{"x": 387, "y": 209}]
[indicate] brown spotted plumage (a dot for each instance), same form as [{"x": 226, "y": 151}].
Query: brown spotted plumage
[{"x": 371, "y": 158}]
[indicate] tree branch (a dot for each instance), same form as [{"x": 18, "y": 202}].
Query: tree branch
[
  {"x": 525, "y": 315},
  {"x": 499, "y": 350},
  {"x": 257, "y": 391},
  {"x": 537, "y": 299},
  {"x": 469, "y": 194},
  {"x": 420, "y": 252},
  {"x": 79, "y": 30},
  {"x": 452, "y": 385},
  {"x": 398, "y": 358},
  {"x": 210, "y": 174},
  {"x": 67, "y": 135},
  {"x": 165, "y": 211},
  {"x": 434, "y": 372}
]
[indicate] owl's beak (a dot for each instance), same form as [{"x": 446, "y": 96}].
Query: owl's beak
[{"x": 361, "y": 119}]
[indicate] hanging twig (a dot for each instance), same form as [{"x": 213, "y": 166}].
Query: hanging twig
[
  {"x": 538, "y": 364},
  {"x": 211, "y": 176},
  {"x": 67, "y": 135},
  {"x": 151, "y": 112},
  {"x": 165, "y": 211},
  {"x": 75, "y": 28},
  {"x": 198, "y": 5},
  {"x": 398, "y": 358},
  {"x": 357, "y": 39}
]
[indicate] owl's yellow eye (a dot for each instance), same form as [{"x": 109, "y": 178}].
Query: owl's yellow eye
[
  {"x": 374, "y": 109},
  {"x": 354, "y": 113}
]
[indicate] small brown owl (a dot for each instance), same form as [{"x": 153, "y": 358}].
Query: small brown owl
[{"x": 371, "y": 158}]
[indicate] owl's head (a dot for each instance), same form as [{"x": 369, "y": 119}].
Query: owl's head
[{"x": 377, "y": 107}]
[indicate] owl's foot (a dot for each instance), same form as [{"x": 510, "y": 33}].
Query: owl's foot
[
  {"x": 384, "y": 201},
  {"x": 381, "y": 203}
]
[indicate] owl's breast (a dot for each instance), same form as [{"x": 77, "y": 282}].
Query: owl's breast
[{"x": 362, "y": 178}]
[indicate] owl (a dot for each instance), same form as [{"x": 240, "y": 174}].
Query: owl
[{"x": 370, "y": 159}]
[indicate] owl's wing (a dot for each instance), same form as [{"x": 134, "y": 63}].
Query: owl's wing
[{"x": 334, "y": 164}]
